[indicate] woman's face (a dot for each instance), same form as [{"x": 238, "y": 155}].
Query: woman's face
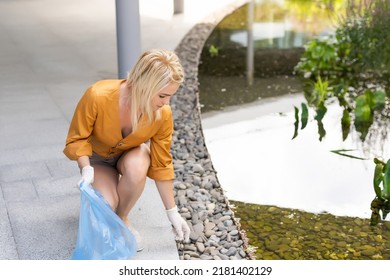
[{"x": 162, "y": 97}]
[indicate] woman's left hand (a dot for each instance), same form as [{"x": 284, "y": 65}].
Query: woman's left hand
[{"x": 180, "y": 226}]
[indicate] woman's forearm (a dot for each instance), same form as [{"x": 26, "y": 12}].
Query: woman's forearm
[
  {"x": 83, "y": 161},
  {"x": 165, "y": 188}
]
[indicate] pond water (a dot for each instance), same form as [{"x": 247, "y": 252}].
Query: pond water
[
  {"x": 257, "y": 162},
  {"x": 233, "y": 71},
  {"x": 248, "y": 122}
]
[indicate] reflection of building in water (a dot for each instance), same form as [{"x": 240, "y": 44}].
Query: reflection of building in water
[
  {"x": 284, "y": 24},
  {"x": 272, "y": 35},
  {"x": 263, "y": 39}
]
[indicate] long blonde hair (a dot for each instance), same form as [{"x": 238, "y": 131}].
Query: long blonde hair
[{"x": 154, "y": 70}]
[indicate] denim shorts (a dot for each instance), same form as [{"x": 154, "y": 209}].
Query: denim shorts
[{"x": 109, "y": 162}]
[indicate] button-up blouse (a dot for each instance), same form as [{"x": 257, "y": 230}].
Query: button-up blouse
[{"x": 95, "y": 127}]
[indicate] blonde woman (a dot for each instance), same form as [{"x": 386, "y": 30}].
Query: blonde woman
[{"x": 121, "y": 133}]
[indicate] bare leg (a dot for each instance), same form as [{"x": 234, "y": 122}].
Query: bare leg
[
  {"x": 133, "y": 166},
  {"x": 106, "y": 181}
]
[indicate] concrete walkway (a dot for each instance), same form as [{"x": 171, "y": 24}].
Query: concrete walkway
[{"x": 50, "y": 52}]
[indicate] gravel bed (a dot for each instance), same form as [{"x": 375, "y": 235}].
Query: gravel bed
[{"x": 215, "y": 232}]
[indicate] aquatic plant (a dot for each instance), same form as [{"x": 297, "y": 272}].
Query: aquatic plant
[
  {"x": 352, "y": 67},
  {"x": 382, "y": 190}
]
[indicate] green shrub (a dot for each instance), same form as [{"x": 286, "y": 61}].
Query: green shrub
[{"x": 353, "y": 67}]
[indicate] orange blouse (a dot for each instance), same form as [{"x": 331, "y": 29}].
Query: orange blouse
[{"x": 95, "y": 127}]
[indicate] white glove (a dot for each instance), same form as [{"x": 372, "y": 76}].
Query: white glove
[
  {"x": 180, "y": 226},
  {"x": 87, "y": 175}
]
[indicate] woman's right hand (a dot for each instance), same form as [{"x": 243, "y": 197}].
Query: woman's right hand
[
  {"x": 180, "y": 226},
  {"x": 87, "y": 175}
]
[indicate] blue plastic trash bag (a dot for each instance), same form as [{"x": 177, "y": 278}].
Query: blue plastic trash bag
[{"x": 102, "y": 235}]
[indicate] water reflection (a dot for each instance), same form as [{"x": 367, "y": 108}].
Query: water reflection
[
  {"x": 266, "y": 167},
  {"x": 272, "y": 35},
  {"x": 260, "y": 40}
]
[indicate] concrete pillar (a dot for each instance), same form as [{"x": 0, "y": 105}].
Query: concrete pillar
[
  {"x": 250, "y": 52},
  {"x": 178, "y": 6},
  {"x": 128, "y": 32}
]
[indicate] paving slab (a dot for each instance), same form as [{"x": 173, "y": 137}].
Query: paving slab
[
  {"x": 46, "y": 131},
  {"x": 20, "y": 103},
  {"x": 63, "y": 168},
  {"x": 19, "y": 191},
  {"x": 45, "y": 228},
  {"x": 55, "y": 186},
  {"x": 17, "y": 172},
  {"x": 23, "y": 155},
  {"x": 7, "y": 242}
]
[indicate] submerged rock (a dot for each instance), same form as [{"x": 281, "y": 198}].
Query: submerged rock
[{"x": 316, "y": 237}]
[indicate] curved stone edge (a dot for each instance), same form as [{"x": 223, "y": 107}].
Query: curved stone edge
[{"x": 198, "y": 194}]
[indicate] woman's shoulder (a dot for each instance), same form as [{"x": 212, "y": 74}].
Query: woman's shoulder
[
  {"x": 103, "y": 87},
  {"x": 166, "y": 112}
]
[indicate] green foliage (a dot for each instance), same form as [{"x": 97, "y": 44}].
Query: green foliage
[
  {"x": 316, "y": 97},
  {"x": 320, "y": 113},
  {"x": 213, "y": 51},
  {"x": 304, "y": 118},
  {"x": 327, "y": 58},
  {"x": 305, "y": 115},
  {"x": 369, "y": 34},
  {"x": 320, "y": 59},
  {"x": 345, "y": 124},
  {"x": 296, "y": 123},
  {"x": 386, "y": 181},
  {"x": 353, "y": 67},
  {"x": 343, "y": 153},
  {"x": 365, "y": 107},
  {"x": 346, "y": 65},
  {"x": 381, "y": 182},
  {"x": 316, "y": 12}
]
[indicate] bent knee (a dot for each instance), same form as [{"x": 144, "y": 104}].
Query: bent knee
[
  {"x": 136, "y": 162},
  {"x": 135, "y": 167}
]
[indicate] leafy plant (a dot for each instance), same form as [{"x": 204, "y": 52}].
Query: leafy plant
[
  {"x": 365, "y": 107},
  {"x": 213, "y": 51},
  {"x": 320, "y": 59},
  {"x": 342, "y": 152},
  {"x": 352, "y": 67},
  {"x": 381, "y": 202},
  {"x": 368, "y": 31},
  {"x": 316, "y": 97}
]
